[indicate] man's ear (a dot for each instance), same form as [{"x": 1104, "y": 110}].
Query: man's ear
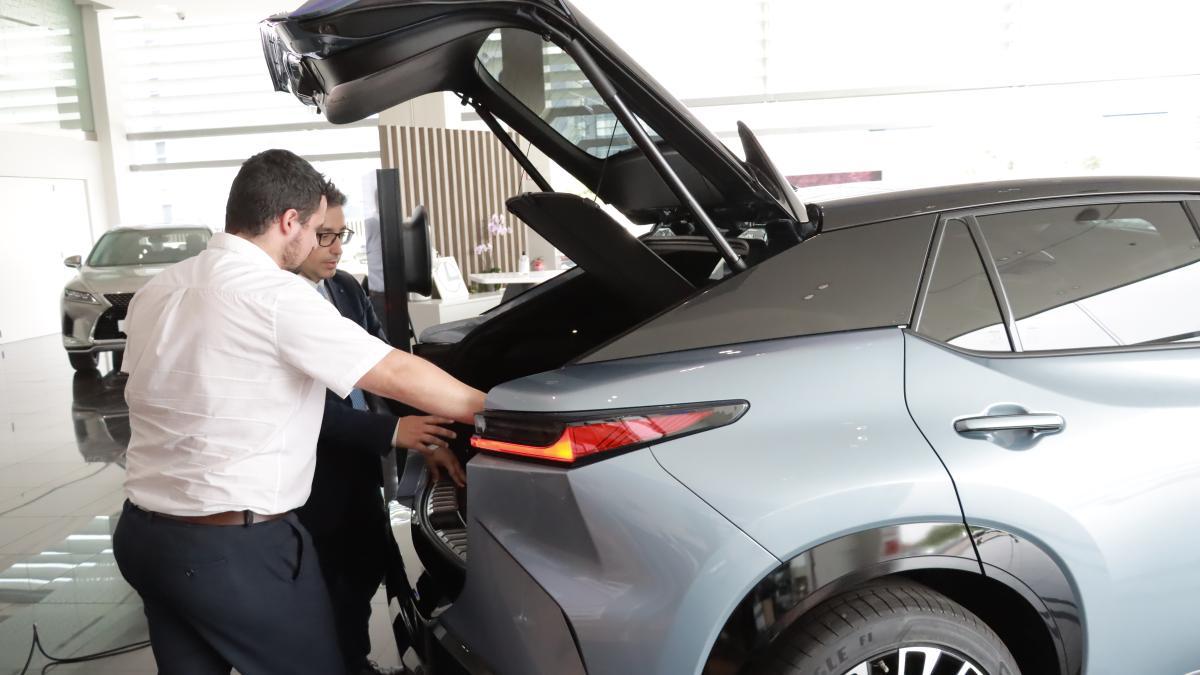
[{"x": 289, "y": 221}]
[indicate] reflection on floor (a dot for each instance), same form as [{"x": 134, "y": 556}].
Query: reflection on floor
[{"x": 62, "y": 443}]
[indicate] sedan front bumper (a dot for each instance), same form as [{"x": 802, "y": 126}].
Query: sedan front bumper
[{"x": 93, "y": 327}]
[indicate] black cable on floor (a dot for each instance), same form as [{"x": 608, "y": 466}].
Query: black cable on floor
[{"x": 54, "y": 660}]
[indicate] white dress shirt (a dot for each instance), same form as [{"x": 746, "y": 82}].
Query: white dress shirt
[{"x": 228, "y": 358}]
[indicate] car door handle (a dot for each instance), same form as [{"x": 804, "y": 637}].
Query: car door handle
[{"x": 1035, "y": 422}]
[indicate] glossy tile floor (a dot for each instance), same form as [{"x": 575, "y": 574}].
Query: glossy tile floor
[{"x": 62, "y": 443}]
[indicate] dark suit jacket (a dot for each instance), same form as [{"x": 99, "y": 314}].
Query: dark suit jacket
[{"x": 345, "y": 497}]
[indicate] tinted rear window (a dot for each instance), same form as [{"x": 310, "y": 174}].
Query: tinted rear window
[{"x": 851, "y": 279}]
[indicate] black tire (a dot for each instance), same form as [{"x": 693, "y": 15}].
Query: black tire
[
  {"x": 118, "y": 357},
  {"x": 84, "y": 362},
  {"x": 855, "y": 631}
]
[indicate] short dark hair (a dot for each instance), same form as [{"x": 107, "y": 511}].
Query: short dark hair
[
  {"x": 268, "y": 184},
  {"x": 334, "y": 196}
]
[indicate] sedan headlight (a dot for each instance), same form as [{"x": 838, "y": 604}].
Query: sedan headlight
[{"x": 80, "y": 296}]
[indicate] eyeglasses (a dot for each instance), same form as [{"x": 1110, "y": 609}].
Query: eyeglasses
[{"x": 326, "y": 238}]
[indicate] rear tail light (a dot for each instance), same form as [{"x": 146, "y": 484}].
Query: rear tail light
[{"x": 574, "y": 437}]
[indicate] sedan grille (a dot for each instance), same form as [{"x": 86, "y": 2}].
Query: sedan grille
[
  {"x": 106, "y": 325},
  {"x": 119, "y": 301}
]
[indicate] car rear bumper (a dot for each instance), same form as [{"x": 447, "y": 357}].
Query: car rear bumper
[
  {"x": 610, "y": 568},
  {"x": 454, "y": 648},
  {"x": 445, "y": 653}
]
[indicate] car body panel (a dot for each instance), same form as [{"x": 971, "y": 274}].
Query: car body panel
[
  {"x": 1099, "y": 494},
  {"x": 833, "y": 282},
  {"x": 818, "y": 405},
  {"x": 1028, "y": 568},
  {"x": 515, "y": 624},
  {"x": 643, "y": 569}
]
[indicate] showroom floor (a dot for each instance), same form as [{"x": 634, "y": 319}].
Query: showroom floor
[{"x": 62, "y": 438}]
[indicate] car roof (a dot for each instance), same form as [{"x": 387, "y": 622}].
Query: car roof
[
  {"x": 158, "y": 226},
  {"x": 851, "y": 211}
]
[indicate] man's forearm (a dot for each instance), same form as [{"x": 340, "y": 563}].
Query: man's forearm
[{"x": 417, "y": 382}]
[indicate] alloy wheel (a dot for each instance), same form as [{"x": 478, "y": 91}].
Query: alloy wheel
[{"x": 917, "y": 661}]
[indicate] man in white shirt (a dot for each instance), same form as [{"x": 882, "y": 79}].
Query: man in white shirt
[{"x": 229, "y": 357}]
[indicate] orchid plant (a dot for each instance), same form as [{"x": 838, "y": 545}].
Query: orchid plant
[{"x": 495, "y": 228}]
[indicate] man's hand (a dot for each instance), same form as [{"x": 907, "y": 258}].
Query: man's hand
[
  {"x": 419, "y": 432},
  {"x": 439, "y": 458},
  {"x": 426, "y": 435}
]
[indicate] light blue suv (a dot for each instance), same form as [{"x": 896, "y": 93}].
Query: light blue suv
[{"x": 939, "y": 432}]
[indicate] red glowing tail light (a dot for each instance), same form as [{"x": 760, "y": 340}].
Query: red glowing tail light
[{"x": 571, "y": 438}]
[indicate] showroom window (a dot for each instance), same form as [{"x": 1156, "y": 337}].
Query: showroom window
[
  {"x": 43, "y": 68},
  {"x": 960, "y": 308},
  {"x": 1098, "y": 275},
  {"x": 197, "y": 102}
]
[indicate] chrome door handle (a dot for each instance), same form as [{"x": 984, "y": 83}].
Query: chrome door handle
[{"x": 1035, "y": 422}]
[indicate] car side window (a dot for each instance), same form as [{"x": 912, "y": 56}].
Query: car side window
[
  {"x": 960, "y": 308},
  {"x": 1098, "y": 275}
]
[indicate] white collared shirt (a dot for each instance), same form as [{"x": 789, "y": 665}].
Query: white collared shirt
[{"x": 228, "y": 358}]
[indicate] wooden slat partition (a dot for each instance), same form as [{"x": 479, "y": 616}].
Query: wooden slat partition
[{"x": 461, "y": 177}]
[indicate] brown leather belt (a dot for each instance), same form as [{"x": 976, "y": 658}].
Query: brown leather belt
[{"x": 222, "y": 518}]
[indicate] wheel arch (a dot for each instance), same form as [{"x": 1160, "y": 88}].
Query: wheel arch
[{"x": 1017, "y": 607}]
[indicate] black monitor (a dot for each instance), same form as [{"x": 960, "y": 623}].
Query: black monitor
[{"x": 407, "y": 257}]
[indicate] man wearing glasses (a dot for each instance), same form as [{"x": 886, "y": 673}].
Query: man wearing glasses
[{"x": 345, "y": 512}]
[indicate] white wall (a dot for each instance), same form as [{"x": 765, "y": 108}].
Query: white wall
[
  {"x": 37, "y": 155},
  {"x": 54, "y": 204}
]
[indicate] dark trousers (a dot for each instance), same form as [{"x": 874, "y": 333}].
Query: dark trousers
[
  {"x": 220, "y": 597},
  {"x": 353, "y": 539},
  {"x": 353, "y": 565}
]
